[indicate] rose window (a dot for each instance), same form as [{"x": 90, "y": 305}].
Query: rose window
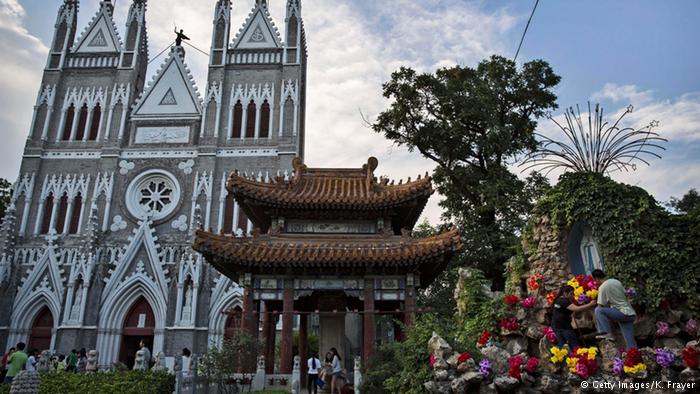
[{"x": 155, "y": 193}]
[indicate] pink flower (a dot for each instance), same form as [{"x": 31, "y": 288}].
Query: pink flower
[
  {"x": 661, "y": 329},
  {"x": 532, "y": 365},
  {"x": 529, "y": 302},
  {"x": 549, "y": 333},
  {"x": 692, "y": 326}
]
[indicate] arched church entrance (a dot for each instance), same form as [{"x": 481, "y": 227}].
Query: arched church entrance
[
  {"x": 40, "y": 337},
  {"x": 233, "y": 323},
  {"x": 139, "y": 324}
]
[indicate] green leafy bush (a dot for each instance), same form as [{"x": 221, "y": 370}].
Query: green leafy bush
[
  {"x": 129, "y": 382},
  {"x": 643, "y": 244}
]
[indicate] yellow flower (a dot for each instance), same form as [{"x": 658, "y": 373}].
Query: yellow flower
[
  {"x": 571, "y": 361},
  {"x": 573, "y": 283},
  {"x": 592, "y": 293},
  {"x": 578, "y": 291},
  {"x": 636, "y": 369}
]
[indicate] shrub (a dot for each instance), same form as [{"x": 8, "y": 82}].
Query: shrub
[{"x": 130, "y": 382}]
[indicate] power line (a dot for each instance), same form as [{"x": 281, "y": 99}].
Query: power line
[
  {"x": 196, "y": 48},
  {"x": 525, "y": 31},
  {"x": 161, "y": 52}
]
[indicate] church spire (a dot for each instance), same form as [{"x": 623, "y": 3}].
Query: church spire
[
  {"x": 135, "y": 54},
  {"x": 295, "y": 33},
  {"x": 64, "y": 33},
  {"x": 220, "y": 33}
]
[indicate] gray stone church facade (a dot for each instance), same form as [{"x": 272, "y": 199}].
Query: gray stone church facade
[{"x": 118, "y": 172}]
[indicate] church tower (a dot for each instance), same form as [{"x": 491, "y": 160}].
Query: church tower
[{"x": 118, "y": 172}]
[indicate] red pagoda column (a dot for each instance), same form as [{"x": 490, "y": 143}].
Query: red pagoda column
[
  {"x": 369, "y": 330},
  {"x": 409, "y": 315},
  {"x": 303, "y": 330},
  {"x": 286, "y": 360},
  {"x": 248, "y": 320},
  {"x": 270, "y": 342}
]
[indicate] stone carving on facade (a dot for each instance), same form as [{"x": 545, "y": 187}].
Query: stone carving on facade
[
  {"x": 118, "y": 223},
  {"x": 140, "y": 361},
  {"x": 91, "y": 365}
]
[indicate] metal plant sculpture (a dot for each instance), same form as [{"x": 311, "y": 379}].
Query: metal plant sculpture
[{"x": 599, "y": 148}]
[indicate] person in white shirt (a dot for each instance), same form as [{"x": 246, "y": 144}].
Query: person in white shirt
[
  {"x": 186, "y": 360},
  {"x": 314, "y": 367},
  {"x": 337, "y": 371},
  {"x": 30, "y": 366}
]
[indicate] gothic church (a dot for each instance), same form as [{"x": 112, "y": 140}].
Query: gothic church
[{"x": 117, "y": 173}]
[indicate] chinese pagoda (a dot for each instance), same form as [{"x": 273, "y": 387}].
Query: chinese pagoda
[{"x": 331, "y": 242}]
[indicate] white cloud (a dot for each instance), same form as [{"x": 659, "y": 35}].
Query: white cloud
[{"x": 628, "y": 93}]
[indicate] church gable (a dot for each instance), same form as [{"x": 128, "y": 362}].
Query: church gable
[
  {"x": 258, "y": 31},
  {"x": 100, "y": 35},
  {"x": 46, "y": 276},
  {"x": 141, "y": 260},
  {"x": 172, "y": 91}
]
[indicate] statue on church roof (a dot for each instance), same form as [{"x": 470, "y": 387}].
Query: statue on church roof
[{"x": 179, "y": 36}]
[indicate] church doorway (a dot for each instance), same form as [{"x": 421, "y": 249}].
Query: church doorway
[
  {"x": 40, "y": 337},
  {"x": 233, "y": 323},
  {"x": 139, "y": 324}
]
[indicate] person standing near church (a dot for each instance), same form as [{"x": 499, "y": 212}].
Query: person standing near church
[
  {"x": 613, "y": 307},
  {"x": 314, "y": 365},
  {"x": 72, "y": 361},
  {"x": 15, "y": 363},
  {"x": 30, "y": 365},
  {"x": 3, "y": 363},
  {"x": 146, "y": 354}
]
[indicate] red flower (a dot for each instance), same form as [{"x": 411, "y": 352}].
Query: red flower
[
  {"x": 514, "y": 366},
  {"x": 532, "y": 365},
  {"x": 634, "y": 357},
  {"x": 510, "y": 324},
  {"x": 484, "y": 338},
  {"x": 533, "y": 283},
  {"x": 512, "y": 299},
  {"x": 551, "y": 297},
  {"x": 690, "y": 357},
  {"x": 549, "y": 333},
  {"x": 464, "y": 357}
]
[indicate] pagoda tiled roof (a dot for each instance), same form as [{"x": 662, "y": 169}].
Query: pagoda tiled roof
[
  {"x": 234, "y": 255},
  {"x": 334, "y": 189}
]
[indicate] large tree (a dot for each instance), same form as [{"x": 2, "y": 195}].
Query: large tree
[{"x": 473, "y": 123}]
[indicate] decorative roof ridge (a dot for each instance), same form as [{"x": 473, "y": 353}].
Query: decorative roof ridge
[
  {"x": 178, "y": 58},
  {"x": 113, "y": 31}
]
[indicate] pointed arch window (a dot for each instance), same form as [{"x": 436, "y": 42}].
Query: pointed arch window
[
  {"x": 82, "y": 120},
  {"x": 250, "y": 120},
  {"x": 265, "y": 120},
  {"x": 75, "y": 215},
  {"x": 95, "y": 123},
  {"x": 62, "y": 210},
  {"x": 237, "y": 120},
  {"x": 228, "y": 214},
  {"x": 68, "y": 122},
  {"x": 48, "y": 208}
]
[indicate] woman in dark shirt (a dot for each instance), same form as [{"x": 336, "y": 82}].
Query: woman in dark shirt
[{"x": 563, "y": 308}]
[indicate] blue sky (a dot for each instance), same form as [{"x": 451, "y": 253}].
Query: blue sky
[{"x": 616, "y": 52}]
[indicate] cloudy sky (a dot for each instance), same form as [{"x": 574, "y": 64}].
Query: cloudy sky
[{"x": 613, "y": 52}]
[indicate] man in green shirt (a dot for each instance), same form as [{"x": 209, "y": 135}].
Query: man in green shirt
[
  {"x": 72, "y": 361},
  {"x": 15, "y": 363},
  {"x": 613, "y": 307}
]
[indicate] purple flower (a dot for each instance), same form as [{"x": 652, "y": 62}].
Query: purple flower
[
  {"x": 618, "y": 366},
  {"x": 664, "y": 357},
  {"x": 631, "y": 292},
  {"x": 661, "y": 328},
  {"x": 485, "y": 367},
  {"x": 583, "y": 299},
  {"x": 692, "y": 326}
]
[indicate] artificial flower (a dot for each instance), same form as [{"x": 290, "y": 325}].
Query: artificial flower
[
  {"x": 529, "y": 302},
  {"x": 533, "y": 283},
  {"x": 583, "y": 299},
  {"x": 464, "y": 357},
  {"x": 532, "y": 364},
  {"x": 485, "y": 367},
  {"x": 549, "y": 333},
  {"x": 661, "y": 328},
  {"x": 511, "y": 299},
  {"x": 510, "y": 324},
  {"x": 514, "y": 364},
  {"x": 558, "y": 354},
  {"x": 551, "y": 297},
  {"x": 483, "y": 338},
  {"x": 690, "y": 357},
  {"x": 432, "y": 360},
  {"x": 578, "y": 291},
  {"x": 593, "y": 293},
  {"x": 617, "y": 366},
  {"x": 692, "y": 326},
  {"x": 664, "y": 358},
  {"x": 631, "y": 292}
]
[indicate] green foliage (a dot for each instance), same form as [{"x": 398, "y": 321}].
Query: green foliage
[
  {"x": 130, "y": 382},
  {"x": 643, "y": 244},
  {"x": 237, "y": 354},
  {"x": 690, "y": 202},
  {"x": 5, "y": 196},
  {"x": 403, "y": 367},
  {"x": 477, "y": 310},
  {"x": 472, "y": 122}
]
